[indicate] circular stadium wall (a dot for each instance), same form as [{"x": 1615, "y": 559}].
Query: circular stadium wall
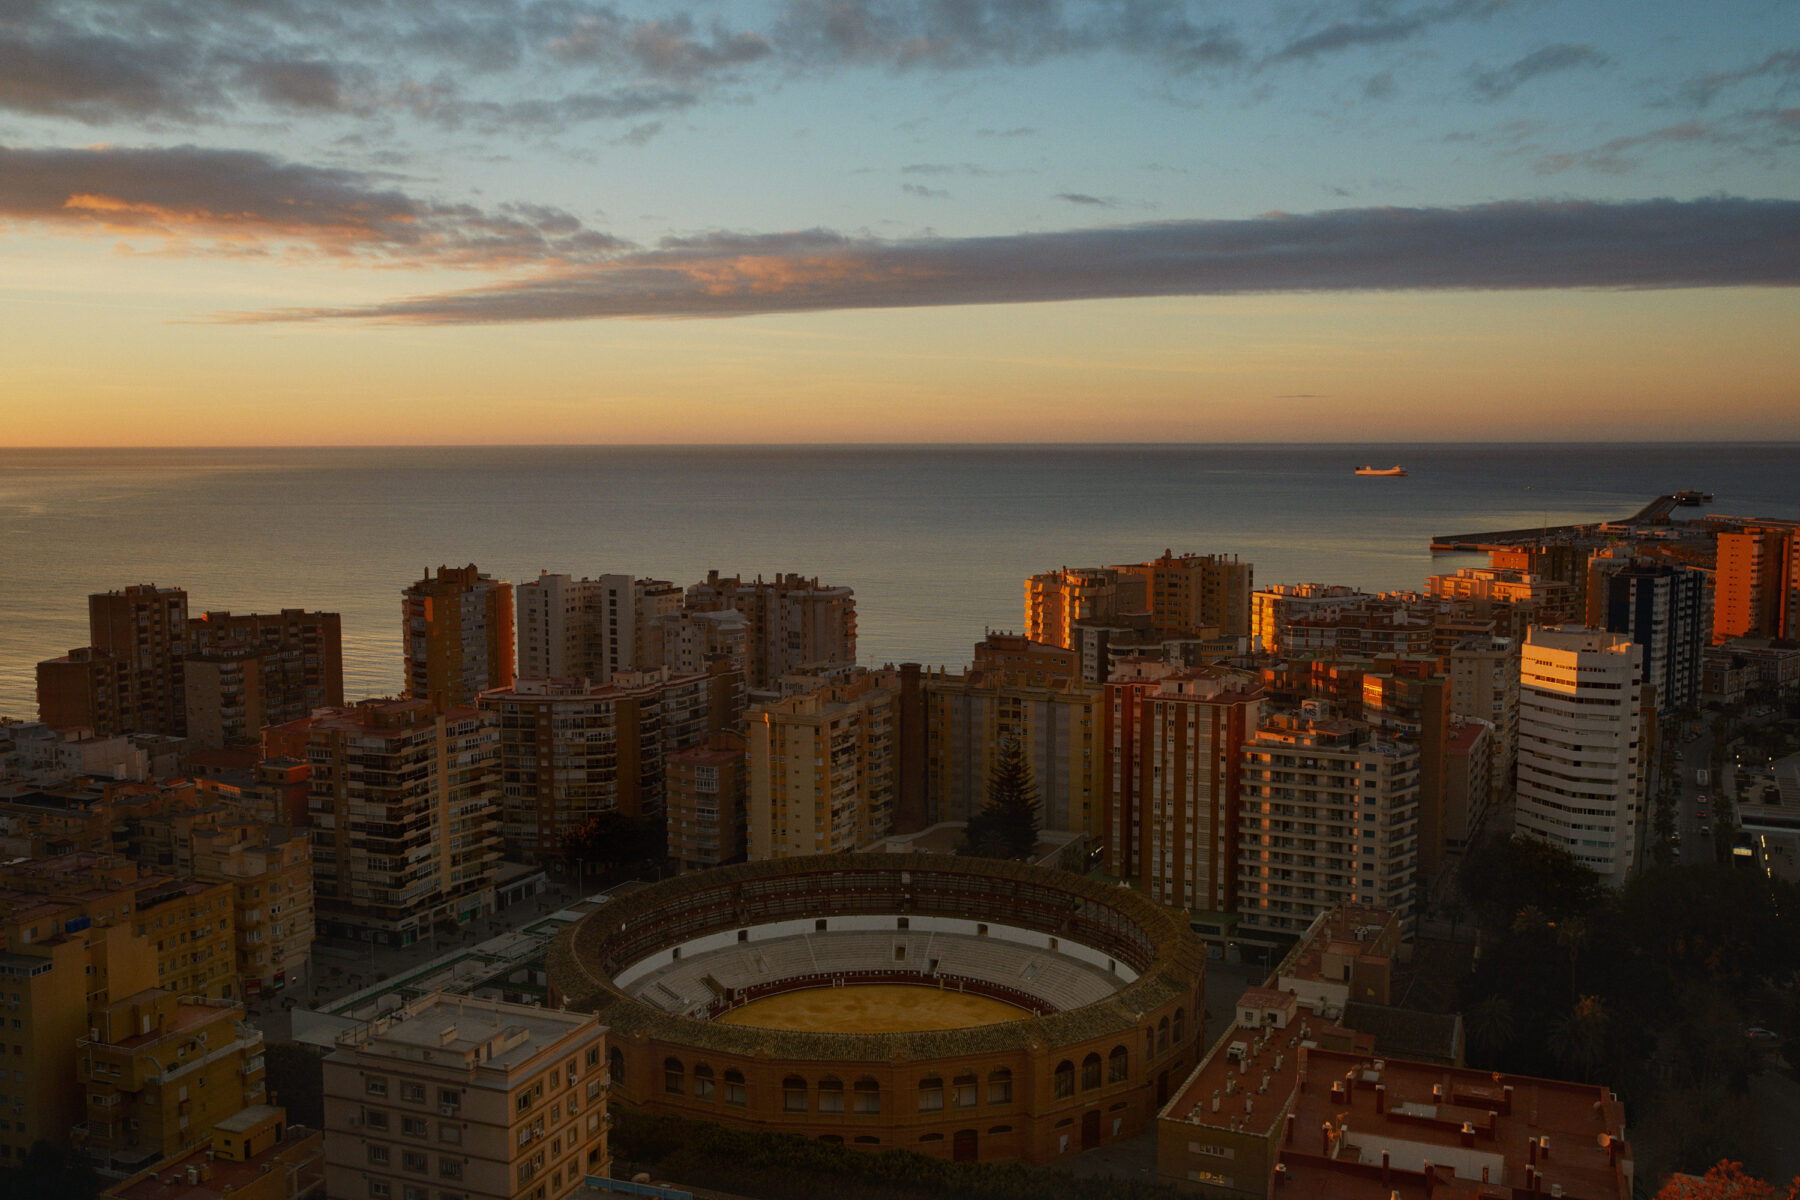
[{"x": 1106, "y": 986}]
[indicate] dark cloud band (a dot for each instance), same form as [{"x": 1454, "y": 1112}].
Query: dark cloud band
[{"x": 1720, "y": 242}]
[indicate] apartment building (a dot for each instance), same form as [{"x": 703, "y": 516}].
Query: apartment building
[
  {"x": 571, "y": 749},
  {"x": 1290, "y": 1103},
  {"x": 1661, "y": 607},
  {"x": 1188, "y": 593},
  {"x": 1055, "y": 600},
  {"x": 269, "y": 869},
  {"x": 1274, "y": 609},
  {"x": 1329, "y": 815},
  {"x": 823, "y": 768},
  {"x": 1026, "y": 693},
  {"x": 1757, "y": 582},
  {"x": 454, "y": 1095},
  {"x": 1174, "y": 740},
  {"x": 1580, "y": 783},
  {"x": 404, "y": 800},
  {"x": 161, "y": 1070},
  {"x": 707, "y": 795},
  {"x": 129, "y": 678},
  {"x": 245, "y": 671},
  {"x": 458, "y": 635},
  {"x": 789, "y": 622},
  {"x": 1484, "y": 686}
]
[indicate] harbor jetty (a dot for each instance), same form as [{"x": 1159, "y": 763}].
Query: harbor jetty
[{"x": 1654, "y": 513}]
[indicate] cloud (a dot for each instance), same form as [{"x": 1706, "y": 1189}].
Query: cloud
[
  {"x": 1496, "y": 85},
  {"x": 908, "y": 34},
  {"x": 94, "y": 78},
  {"x": 202, "y": 201},
  {"x": 296, "y": 85},
  {"x": 1612, "y": 159},
  {"x": 1083, "y": 198},
  {"x": 923, "y": 192},
  {"x": 1379, "y": 27},
  {"x": 1720, "y": 242},
  {"x": 1777, "y": 65}
]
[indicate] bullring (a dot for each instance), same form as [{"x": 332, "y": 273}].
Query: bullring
[{"x": 1109, "y": 985}]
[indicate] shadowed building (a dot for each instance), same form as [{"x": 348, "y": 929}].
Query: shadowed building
[{"x": 458, "y": 635}]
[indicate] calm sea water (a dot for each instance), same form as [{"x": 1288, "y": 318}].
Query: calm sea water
[{"x": 937, "y": 541}]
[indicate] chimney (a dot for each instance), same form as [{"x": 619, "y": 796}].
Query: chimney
[
  {"x": 1544, "y": 1147},
  {"x": 1280, "y": 1174},
  {"x": 1468, "y": 1134},
  {"x": 1380, "y": 1098},
  {"x": 1506, "y": 1100},
  {"x": 1387, "y": 1172},
  {"x": 1531, "y": 1151},
  {"x": 1288, "y": 1137}
]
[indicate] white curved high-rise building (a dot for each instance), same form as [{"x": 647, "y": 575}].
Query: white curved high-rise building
[{"x": 1580, "y": 745}]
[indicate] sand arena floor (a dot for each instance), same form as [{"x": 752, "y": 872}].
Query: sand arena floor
[{"x": 872, "y": 1008}]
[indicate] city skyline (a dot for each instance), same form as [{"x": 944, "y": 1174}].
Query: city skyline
[{"x": 860, "y": 221}]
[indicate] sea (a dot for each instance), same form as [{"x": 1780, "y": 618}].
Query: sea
[{"x": 937, "y": 541}]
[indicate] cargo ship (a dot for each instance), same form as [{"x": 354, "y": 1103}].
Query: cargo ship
[{"x": 1381, "y": 470}]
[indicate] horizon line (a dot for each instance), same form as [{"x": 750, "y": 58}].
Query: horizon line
[{"x": 879, "y": 445}]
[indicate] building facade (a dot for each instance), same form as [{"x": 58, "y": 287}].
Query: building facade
[
  {"x": 1580, "y": 782},
  {"x": 823, "y": 768},
  {"x": 1174, "y": 739},
  {"x": 1330, "y": 815},
  {"x": 458, "y": 635},
  {"x": 404, "y": 800},
  {"x": 479, "y": 1098}
]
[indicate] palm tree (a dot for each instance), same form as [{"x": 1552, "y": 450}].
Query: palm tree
[
  {"x": 1578, "y": 1040},
  {"x": 1490, "y": 1026}
]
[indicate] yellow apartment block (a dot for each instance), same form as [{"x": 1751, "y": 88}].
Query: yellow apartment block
[
  {"x": 1024, "y": 692},
  {"x": 822, "y": 768},
  {"x": 196, "y": 939},
  {"x": 59, "y": 966},
  {"x": 160, "y": 1072},
  {"x": 269, "y": 868}
]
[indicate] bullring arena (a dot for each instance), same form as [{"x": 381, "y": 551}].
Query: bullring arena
[{"x": 968, "y": 1008}]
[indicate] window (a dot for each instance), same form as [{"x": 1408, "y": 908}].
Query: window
[
  {"x": 1065, "y": 1079},
  {"x": 524, "y": 1101},
  {"x": 831, "y": 1095},
  {"x": 450, "y": 1135},
  {"x": 414, "y": 1161},
  {"x": 672, "y": 1077},
  {"x": 375, "y": 1085},
  {"x": 866, "y": 1097},
  {"x": 965, "y": 1090},
  {"x": 593, "y": 1056},
  {"x": 416, "y": 1193},
  {"x": 375, "y": 1118},
  {"x": 1118, "y": 1066},
  {"x": 378, "y": 1155},
  {"x": 449, "y": 1098},
  {"x": 615, "y": 1065},
  {"x": 449, "y": 1168},
  {"x": 414, "y": 1126},
  {"x": 413, "y": 1093},
  {"x": 1000, "y": 1086},
  {"x": 703, "y": 1082},
  {"x": 1090, "y": 1072},
  {"x": 931, "y": 1094},
  {"x": 793, "y": 1094},
  {"x": 734, "y": 1088},
  {"x": 379, "y": 1189}
]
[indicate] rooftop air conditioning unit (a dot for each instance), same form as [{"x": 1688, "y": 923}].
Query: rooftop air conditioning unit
[{"x": 449, "y": 1110}]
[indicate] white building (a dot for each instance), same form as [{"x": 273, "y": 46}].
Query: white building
[{"x": 1580, "y": 739}]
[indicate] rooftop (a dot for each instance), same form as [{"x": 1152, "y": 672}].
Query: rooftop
[{"x": 465, "y": 1032}]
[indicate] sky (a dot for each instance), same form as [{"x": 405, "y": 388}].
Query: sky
[{"x": 326, "y": 222}]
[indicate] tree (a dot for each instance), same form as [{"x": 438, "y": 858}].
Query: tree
[
  {"x": 1009, "y": 822},
  {"x": 611, "y": 840},
  {"x": 1579, "y": 1040},
  {"x": 1490, "y": 1026},
  {"x": 1726, "y": 1181}
]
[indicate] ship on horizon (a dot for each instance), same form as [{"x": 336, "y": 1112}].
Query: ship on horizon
[{"x": 1381, "y": 470}]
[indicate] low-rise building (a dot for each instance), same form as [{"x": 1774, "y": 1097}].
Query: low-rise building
[{"x": 479, "y": 1098}]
